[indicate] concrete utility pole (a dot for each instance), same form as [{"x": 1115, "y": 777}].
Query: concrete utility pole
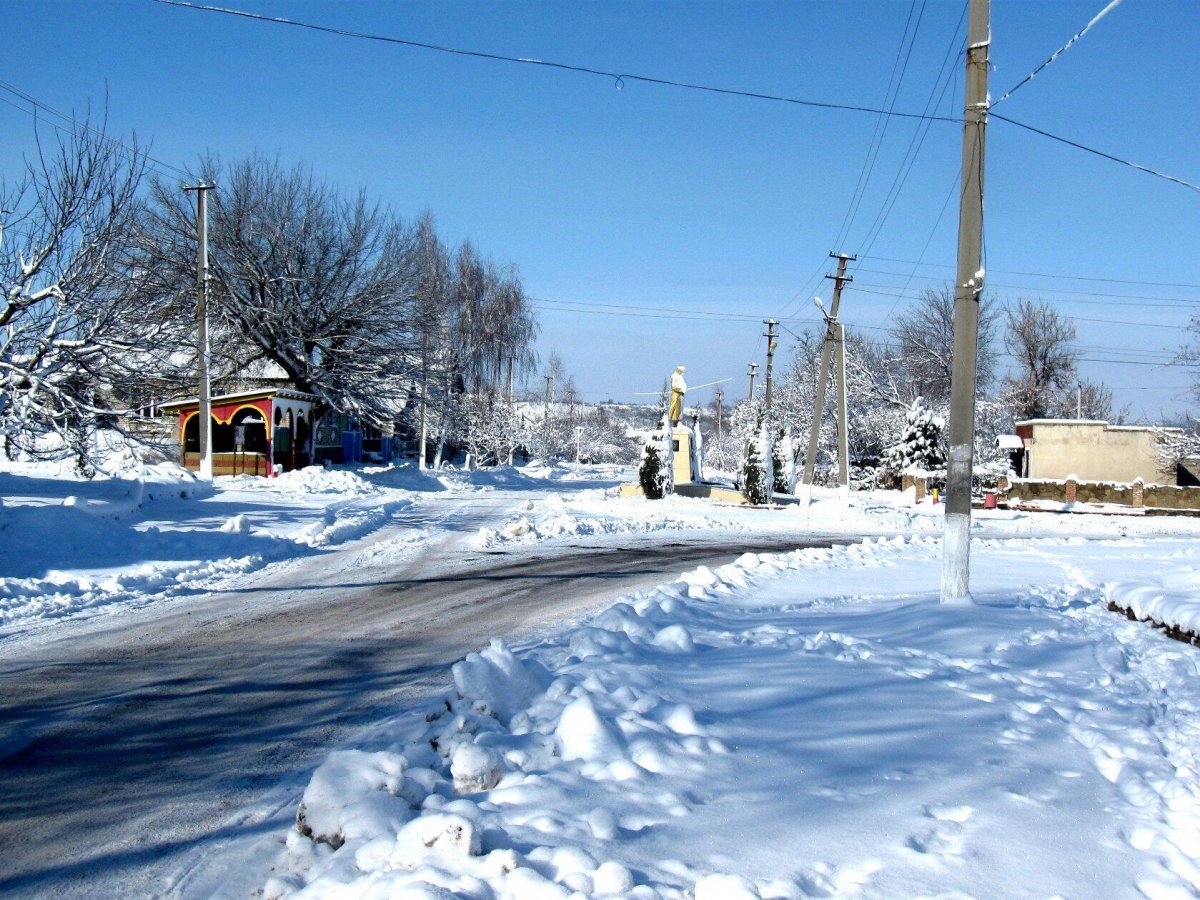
[
  {"x": 753, "y": 370},
  {"x": 424, "y": 435},
  {"x": 831, "y": 335},
  {"x": 770, "y": 336},
  {"x": 956, "y": 542},
  {"x": 511, "y": 360},
  {"x": 546, "y": 417},
  {"x": 720, "y": 397},
  {"x": 843, "y": 419},
  {"x": 203, "y": 352}
]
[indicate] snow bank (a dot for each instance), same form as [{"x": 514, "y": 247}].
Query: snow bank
[
  {"x": 804, "y": 724},
  {"x": 70, "y": 546},
  {"x": 1170, "y": 598}
]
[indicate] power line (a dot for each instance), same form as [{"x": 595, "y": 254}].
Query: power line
[
  {"x": 1059, "y": 52},
  {"x": 916, "y": 142},
  {"x": 1027, "y": 274},
  {"x": 618, "y": 78},
  {"x": 131, "y": 152},
  {"x": 1154, "y": 300},
  {"x": 1129, "y": 362},
  {"x": 881, "y": 125},
  {"x": 1078, "y": 146}
]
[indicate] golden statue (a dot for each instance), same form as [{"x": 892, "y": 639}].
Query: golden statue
[{"x": 678, "y": 389}]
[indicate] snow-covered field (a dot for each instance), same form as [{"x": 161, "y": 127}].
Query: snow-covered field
[{"x": 803, "y": 724}]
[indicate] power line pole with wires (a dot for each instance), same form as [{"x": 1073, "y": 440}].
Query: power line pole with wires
[
  {"x": 752, "y": 371},
  {"x": 203, "y": 351},
  {"x": 832, "y": 334},
  {"x": 956, "y": 541}
]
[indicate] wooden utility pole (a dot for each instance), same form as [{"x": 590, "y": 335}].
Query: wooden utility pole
[
  {"x": 956, "y": 542},
  {"x": 753, "y": 370},
  {"x": 831, "y": 336},
  {"x": 771, "y": 342},
  {"x": 203, "y": 352}
]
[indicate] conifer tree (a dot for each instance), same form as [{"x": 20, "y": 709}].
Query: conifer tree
[
  {"x": 756, "y": 480},
  {"x": 920, "y": 446},
  {"x": 654, "y": 473}
]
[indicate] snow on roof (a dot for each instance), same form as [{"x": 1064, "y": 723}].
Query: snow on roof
[
  {"x": 1009, "y": 442},
  {"x": 1062, "y": 422},
  {"x": 1099, "y": 422},
  {"x": 282, "y": 393}
]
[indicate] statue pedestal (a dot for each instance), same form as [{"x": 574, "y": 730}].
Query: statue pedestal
[{"x": 681, "y": 446}]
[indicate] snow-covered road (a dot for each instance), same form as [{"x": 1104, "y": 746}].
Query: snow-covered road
[{"x": 132, "y": 737}]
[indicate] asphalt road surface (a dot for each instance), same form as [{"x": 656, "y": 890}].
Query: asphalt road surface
[{"x": 127, "y": 745}]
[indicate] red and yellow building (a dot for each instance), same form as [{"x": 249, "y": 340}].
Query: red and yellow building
[{"x": 259, "y": 432}]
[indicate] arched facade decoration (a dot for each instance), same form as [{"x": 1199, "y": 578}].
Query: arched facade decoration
[{"x": 256, "y": 433}]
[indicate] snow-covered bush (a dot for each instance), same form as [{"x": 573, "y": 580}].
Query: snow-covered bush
[
  {"x": 489, "y": 426},
  {"x": 655, "y": 473}
]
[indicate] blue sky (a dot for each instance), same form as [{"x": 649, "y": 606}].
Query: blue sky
[{"x": 651, "y": 199}]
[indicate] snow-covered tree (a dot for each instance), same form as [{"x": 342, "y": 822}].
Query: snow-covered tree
[
  {"x": 320, "y": 283},
  {"x": 921, "y": 445},
  {"x": 784, "y": 462},
  {"x": 81, "y": 334},
  {"x": 655, "y": 472},
  {"x": 1042, "y": 343},
  {"x": 489, "y": 427},
  {"x": 756, "y": 476},
  {"x": 1172, "y": 447}
]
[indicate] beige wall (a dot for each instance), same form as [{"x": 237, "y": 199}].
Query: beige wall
[
  {"x": 1092, "y": 451},
  {"x": 683, "y": 456}
]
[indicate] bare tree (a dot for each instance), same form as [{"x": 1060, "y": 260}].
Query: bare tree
[
  {"x": 321, "y": 284},
  {"x": 487, "y": 322},
  {"x": 1091, "y": 400},
  {"x": 77, "y": 337},
  {"x": 1189, "y": 355},
  {"x": 1040, "y": 341},
  {"x": 924, "y": 338},
  {"x": 1176, "y": 447}
]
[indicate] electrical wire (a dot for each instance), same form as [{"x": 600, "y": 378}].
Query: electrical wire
[
  {"x": 890, "y": 95},
  {"x": 1059, "y": 275},
  {"x": 1070, "y": 143},
  {"x": 618, "y": 78},
  {"x": 1059, "y": 52},
  {"x": 1155, "y": 300},
  {"x": 916, "y": 142},
  {"x": 132, "y": 152}
]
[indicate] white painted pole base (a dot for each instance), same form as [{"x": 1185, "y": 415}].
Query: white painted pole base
[{"x": 956, "y": 556}]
